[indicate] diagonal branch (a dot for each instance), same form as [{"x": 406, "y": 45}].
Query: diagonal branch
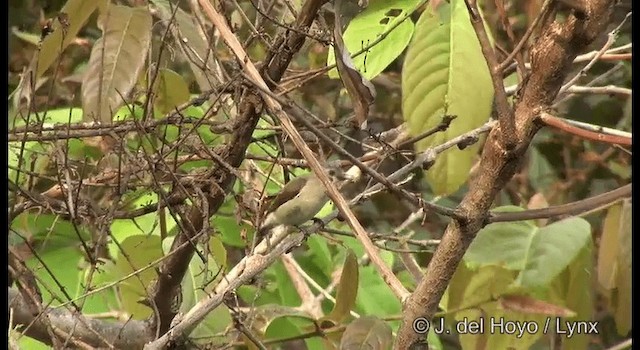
[
  {"x": 505, "y": 113},
  {"x": 276, "y": 109},
  {"x": 173, "y": 269}
]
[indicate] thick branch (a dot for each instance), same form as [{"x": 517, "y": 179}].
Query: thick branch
[
  {"x": 551, "y": 57},
  {"x": 127, "y": 335}
]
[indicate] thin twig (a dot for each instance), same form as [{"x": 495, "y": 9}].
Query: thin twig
[
  {"x": 503, "y": 109},
  {"x": 590, "y": 134}
]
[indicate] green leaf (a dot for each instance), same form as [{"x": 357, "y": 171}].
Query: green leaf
[
  {"x": 229, "y": 228},
  {"x": 218, "y": 251},
  {"x": 66, "y": 269},
  {"x": 264, "y": 315},
  {"x": 624, "y": 275},
  {"x": 378, "y": 299},
  {"x": 33, "y": 39},
  {"x": 500, "y": 334},
  {"x": 116, "y": 61},
  {"x": 47, "y": 227},
  {"x": 540, "y": 254},
  {"x": 286, "y": 290},
  {"x": 171, "y": 90},
  {"x": 445, "y": 73},
  {"x": 347, "y": 289},
  {"x": 147, "y": 224},
  {"x": 541, "y": 173},
  {"x": 54, "y": 116},
  {"x": 614, "y": 263},
  {"x": 31, "y": 344},
  {"x": 137, "y": 252},
  {"x": 367, "y": 332},
  {"x": 580, "y": 298},
  {"x": 469, "y": 288},
  {"x": 376, "y": 20},
  {"x": 36, "y": 154},
  {"x": 552, "y": 249},
  {"x": 62, "y": 262},
  {"x": 319, "y": 253},
  {"x": 521, "y": 274}
]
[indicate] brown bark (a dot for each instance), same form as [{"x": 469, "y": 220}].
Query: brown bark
[{"x": 551, "y": 57}]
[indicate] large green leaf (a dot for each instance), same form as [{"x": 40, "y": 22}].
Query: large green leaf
[
  {"x": 62, "y": 261},
  {"x": 614, "y": 263},
  {"x": 45, "y": 227},
  {"x": 171, "y": 90},
  {"x": 36, "y": 154},
  {"x": 522, "y": 274},
  {"x": 116, "y": 61},
  {"x": 469, "y": 288},
  {"x": 376, "y": 20},
  {"x": 539, "y": 254},
  {"x": 138, "y": 252},
  {"x": 264, "y": 315},
  {"x": 580, "y": 296},
  {"x": 445, "y": 73}
]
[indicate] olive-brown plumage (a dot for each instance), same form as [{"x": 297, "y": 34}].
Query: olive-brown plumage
[{"x": 298, "y": 202}]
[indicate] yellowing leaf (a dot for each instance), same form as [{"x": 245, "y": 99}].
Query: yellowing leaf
[
  {"x": 445, "y": 73},
  {"x": 55, "y": 43},
  {"x": 171, "y": 90},
  {"x": 347, "y": 289},
  {"x": 116, "y": 61},
  {"x": 529, "y": 305},
  {"x": 609, "y": 246}
]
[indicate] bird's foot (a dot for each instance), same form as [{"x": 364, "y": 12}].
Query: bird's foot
[
  {"x": 318, "y": 222},
  {"x": 306, "y": 230}
]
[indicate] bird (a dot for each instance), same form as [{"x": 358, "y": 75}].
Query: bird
[{"x": 299, "y": 200}]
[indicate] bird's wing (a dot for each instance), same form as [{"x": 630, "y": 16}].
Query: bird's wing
[{"x": 289, "y": 191}]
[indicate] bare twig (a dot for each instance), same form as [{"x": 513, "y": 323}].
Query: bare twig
[
  {"x": 576, "y": 208},
  {"x": 611, "y": 38},
  {"x": 588, "y": 131},
  {"x": 275, "y": 108},
  {"x": 505, "y": 113}
]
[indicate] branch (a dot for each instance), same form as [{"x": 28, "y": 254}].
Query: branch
[
  {"x": 172, "y": 270},
  {"x": 128, "y": 335},
  {"x": 551, "y": 56},
  {"x": 587, "y": 132},
  {"x": 276, "y": 109},
  {"x": 575, "y": 208},
  {"x": 505, "y": 113},
  {"x": 265, "y": 254}
]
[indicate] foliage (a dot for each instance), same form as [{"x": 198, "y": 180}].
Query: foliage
[{"x": 124, "y": 126}]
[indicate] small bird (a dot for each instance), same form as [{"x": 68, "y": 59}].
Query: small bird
[{"x": 299, "y": 201}]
